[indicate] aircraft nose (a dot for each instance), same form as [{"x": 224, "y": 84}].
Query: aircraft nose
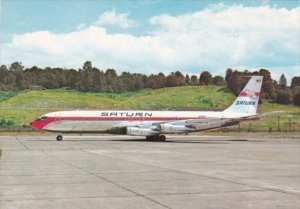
[
  {"x": 32, "y": 124},
  {"x": 37, "y": 125}
]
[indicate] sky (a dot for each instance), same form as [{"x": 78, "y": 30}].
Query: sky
[{"x": 152, "y": 36}]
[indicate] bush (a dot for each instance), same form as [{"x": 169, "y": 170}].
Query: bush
[
  {"x": 11, "y": 123},
  {"x": 3, "y": 122}
]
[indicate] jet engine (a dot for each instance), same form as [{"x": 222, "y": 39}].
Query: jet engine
[
  {"x": 138, "y": 131},
  {"x": 172, "y": 128}
]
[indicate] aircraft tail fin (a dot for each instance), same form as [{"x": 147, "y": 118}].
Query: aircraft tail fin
[{"x": 247, "y": 101}]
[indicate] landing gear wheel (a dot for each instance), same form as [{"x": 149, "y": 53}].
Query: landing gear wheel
[
  {"x": 59, "y": 138},
  {"x": 152, "y": 138},
  {"x": 162, "y": 138}
]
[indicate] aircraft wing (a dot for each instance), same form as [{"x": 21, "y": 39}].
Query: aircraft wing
[{"x": 211, "y": 123}]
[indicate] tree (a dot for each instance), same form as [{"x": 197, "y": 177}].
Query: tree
[
  {"x": 151, "y": 82},
  {"x": 296, "y": 99},
  {"x": 268, "y": 86},
  {"x": 99, "y": 83},
  {"x": 194, "y": 80},
  {"x": 125, "y": 82},
  {"x": 72, "y": 78},
  {"x": 86, "y": 82},
  {"x": 161, "y": 80},
  {"x": 218, "y": 80},
  {"x": 9, "y": 81},
  {"x": 295, "y": 88},
  {"x": 17, "y": 69},
  {"x": 139, "y": 81},
  {"x": 295, "y": 81},
  {"x": 234, "y": 83},
  {"x": 48, "y": 79},
  {"x": 34, "y": 74},
  {"x": 3, "y": 75},
  {"x": 229, "y": 73},
  {"x": 282, "y": 81},
  {"x": 87, "y": 65},
  {"x": 16, "y": 66},
  {"x": 111, "y": 80},
  {"x": 60, "y": 77},
  {"x": 283, "y": 97},
  {"x": 156, "y": 81},
  {"x": 266, "y": 74},
  {"x": 175, "y": 79},
  {"x": 205, "y": 78},
  {"x": 187, "y": 80}
]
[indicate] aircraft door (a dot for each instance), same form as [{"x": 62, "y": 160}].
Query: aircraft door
[{"x": 57, "y": 118}]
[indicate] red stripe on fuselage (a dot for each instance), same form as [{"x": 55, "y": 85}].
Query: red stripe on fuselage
[{"x": 40, "y": 124}]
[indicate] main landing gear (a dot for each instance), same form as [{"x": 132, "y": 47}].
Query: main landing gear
[
  {"x": 160, "y": 138},
  {"x": 59, "y": 138}
]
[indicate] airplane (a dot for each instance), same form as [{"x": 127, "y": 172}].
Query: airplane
[{"x": 153, "y": 124}]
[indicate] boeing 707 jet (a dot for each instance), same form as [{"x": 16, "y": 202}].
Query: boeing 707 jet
[{"x": 153, "y": 124}]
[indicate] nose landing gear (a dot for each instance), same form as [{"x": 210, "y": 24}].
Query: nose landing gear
[{"x": 59, "y": 138}]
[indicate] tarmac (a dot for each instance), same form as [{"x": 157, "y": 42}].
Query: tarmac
[{"x": 124, "y": 172}]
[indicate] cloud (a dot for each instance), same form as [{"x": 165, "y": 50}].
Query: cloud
[
  {"x": 114, "y": 19},
  {"x": 265, "y": 2},
  {"x": 81, "y": 26},
  {"x": 211, "y": 39}
]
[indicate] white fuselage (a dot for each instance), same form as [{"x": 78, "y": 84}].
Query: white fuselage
[{"x": 102, "y": 121}]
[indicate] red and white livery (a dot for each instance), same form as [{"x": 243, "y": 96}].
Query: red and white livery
[{"x": 153, "y": 124}]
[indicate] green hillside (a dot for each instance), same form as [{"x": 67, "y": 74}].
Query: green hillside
[
  {"x": 34, "y": 103},
  {"x": 178, "y": 97}
]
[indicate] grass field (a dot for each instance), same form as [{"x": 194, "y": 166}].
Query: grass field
[
  {"x": 177, "y": 98},
  {"x": 30, "y": 104}
]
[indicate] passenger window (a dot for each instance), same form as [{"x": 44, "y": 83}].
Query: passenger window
[{"x": 41, "y": 118}]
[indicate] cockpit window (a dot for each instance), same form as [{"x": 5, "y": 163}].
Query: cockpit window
[{"x": 41, "y": 118}]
